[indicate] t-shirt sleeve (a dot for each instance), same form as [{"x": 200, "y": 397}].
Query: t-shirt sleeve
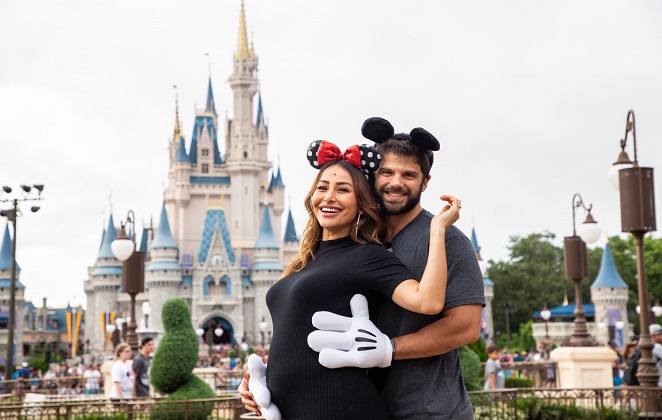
[
  {"x": 380, "y": 270},
  {"x": 116, "y": 372},
  {"x": 465, "y": 281},
  {"x": 138, "y": 366},
  {"x": 490, "y": 366}
]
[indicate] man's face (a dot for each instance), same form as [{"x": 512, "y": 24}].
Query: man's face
[
  {"x": 148, "y": 348},
  {"x": 399, "y": 183},
  {"x": 657, "y": 338}
]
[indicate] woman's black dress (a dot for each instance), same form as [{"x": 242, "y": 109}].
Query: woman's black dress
[{"x": 299, "y": 385}]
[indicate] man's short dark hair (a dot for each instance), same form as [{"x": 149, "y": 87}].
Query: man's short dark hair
[
  {"x": 401, "y": 145},
  {"x": 145, "y": 340},
  {"x": 491, "y": 349}
]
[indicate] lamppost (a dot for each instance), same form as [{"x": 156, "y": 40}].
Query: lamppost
[
  {"x": 576, "y": 267},
  {"x": 263, "y": 328},
  {"x": 545, "y": 314},
  {"x": 147, "y": 309},
  {"x": 507, "y": 309},
  {"x": 110, "y": 328},
  {"x": 133, "y": 273},
  {"x": 12, "y": 214},
  {"x": 637, "y": 196}
]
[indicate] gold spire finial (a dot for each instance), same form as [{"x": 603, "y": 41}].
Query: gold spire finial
[
  {"x": 178, "y": 132},
  {"x": 565, "y": 298},
  {"x": 242, "y": 44}
]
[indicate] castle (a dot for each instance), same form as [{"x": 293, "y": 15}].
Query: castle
[{"x": 218, "y": 244}]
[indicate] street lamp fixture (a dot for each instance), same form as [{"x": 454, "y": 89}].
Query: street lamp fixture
[
  {"x": 263, "y": 328},
  {"x": 545, "y": 314},
  {"x": 637, "y": 196},
  {"x": 12, "y": 214},
  {"x": 218, "y": 332},
  {"x": 133, "y": 273},
  {"x": 576, "y": 267}
]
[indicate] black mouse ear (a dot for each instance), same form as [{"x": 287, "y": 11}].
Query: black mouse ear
[
  {"x": 311, "y": 153},
  {"x": 424, "y": 139},
  {"x": 377, "y": 129}
]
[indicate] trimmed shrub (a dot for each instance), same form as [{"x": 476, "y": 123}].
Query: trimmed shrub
[
  {"x": 470, "y": 369},
  {"x": 519, "y": 383},
  {"x": 177, "y": 353},
  {"x": 172, "y": 367},
  {"x": 478, "y": 347}
]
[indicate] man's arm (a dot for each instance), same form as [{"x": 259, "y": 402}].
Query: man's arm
[{"x": 460, "y": 326}]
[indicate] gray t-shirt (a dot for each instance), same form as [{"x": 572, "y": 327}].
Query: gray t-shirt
[
  {"x": 141, "y": 368},
  {"x": 493, "y": 366},
  {"x": 432, "y": 387}
]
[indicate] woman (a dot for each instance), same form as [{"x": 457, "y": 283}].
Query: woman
[
  {"x": 121, "y": 374},
  {"x": 341, "y": 256}
]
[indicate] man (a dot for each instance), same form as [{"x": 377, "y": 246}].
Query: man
[
  {"x": 425, "y": 378},
  {"x": 656, "y": 334},
  {"x": 140, "y": 366}
]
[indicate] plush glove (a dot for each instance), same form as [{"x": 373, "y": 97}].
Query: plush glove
[
  {"x": 257, "y": 384},
  {"x": 350, "y": 342}
]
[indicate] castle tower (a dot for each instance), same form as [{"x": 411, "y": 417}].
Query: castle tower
[
  {"x": 488, "y": 288},
  {"x": 19, "y": 296},
  {"x": 104, "y": 282},
  {"x": 163, "y": 274},
  {"x": 609, "y": 294},
  {"x": 266, "y": 270},
  {"x": 246, "y": 153}
]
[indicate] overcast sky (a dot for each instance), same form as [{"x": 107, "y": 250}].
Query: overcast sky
[{"x": 528, "y": 99}]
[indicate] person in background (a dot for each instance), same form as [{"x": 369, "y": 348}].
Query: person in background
[
  {"x": 494, "y": 378},
  {"x": 618, "y": 364},
  {"x": 121, "y": 374},
  {"x": 141, "y": 365},
  {"x": 656, "y": 334},
  {"x": 92, "y": 380}
]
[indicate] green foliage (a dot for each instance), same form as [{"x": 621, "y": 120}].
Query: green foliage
[
  {"x": 478, "y": 347},
  {"x": 519, "y": 383},
  {"x": 242, "y": 356},
  {"x": 103, "y": 416},
  {"x": 251, "y": 350},
  {"x": 526, "y": 340},
  {"x": 232, "y": 354},
  {"x": 536, "y": 409},
  {"x": 194, "y": 389},
  {"x": 532, "y": 276},
  {"x": 177, "y": 353},
  {"x": 470, "y": 369}
]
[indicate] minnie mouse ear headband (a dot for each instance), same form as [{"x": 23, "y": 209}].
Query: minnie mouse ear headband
[
  {"x": 363, "y": 157},
  {"x": 379, "y": 130}
]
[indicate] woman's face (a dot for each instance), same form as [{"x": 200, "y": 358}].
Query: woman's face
[
  {"x": 125, "y": 354},
  {"x": 334, "y": 203}
]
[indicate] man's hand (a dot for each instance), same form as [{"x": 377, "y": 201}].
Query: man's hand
[
  {"x": 257, "y": 382},
  {"x": 350, "y": 342}
]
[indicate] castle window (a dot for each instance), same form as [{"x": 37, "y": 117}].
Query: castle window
[
  {"x": 205, "y": 168},
  {"x": 245, "y": 154},
  {"x": 205, "y": 152}
]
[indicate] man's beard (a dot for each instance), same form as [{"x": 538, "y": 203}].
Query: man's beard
[{"x": 397, "y": 209}]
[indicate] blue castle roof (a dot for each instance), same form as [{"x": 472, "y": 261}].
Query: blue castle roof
[
  {"x": 608, "y": 275},
  {"x": 181, "y": 152},
  {"x": 474, "y": 239},
  {"x": 259, "y": 121},
  {"x": 108, "y": 238},
  {"x": 5, "y": 252},
  {"x": 212, "y": 219},
  {"x": 163, "y": 237},
  {"x": 568, "y": 311},
  {"x": 266, "y": 237},
  {"x": 290, "y": 231},
  {"x": 210, "y": 107},
  {"x": 144, "y": 239},
  {"x": 487, "y": 282}
]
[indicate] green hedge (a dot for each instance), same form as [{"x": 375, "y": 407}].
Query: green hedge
[
  {"x": 519, "y": 383},
  {"x": 535, "y": 409},
  {"x": 470, "y": 369}
]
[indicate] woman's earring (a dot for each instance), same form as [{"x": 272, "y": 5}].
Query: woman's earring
[{"x": 357, "y": 225}]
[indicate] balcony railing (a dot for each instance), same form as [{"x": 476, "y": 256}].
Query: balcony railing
[{"x": 218, "y": 300}]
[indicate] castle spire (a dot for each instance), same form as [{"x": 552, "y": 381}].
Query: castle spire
[
  {"x": 163, "y": 237},
  {"x": 178, "y": 131},
  {"x": 242, "y": 44},
  {"x": 266, "y": 237},
  {"x": 210, "y": 108},
  {"x": 5, "y": 251}
]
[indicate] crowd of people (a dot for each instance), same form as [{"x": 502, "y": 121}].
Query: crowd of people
[{"x": 60, "y": 379}]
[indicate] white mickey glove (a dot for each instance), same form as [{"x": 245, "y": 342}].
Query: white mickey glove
[
  {"x": 257, "y": 384},
  {"x": 350, "y": 342}
]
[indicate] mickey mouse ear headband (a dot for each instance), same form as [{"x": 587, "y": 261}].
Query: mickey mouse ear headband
[
  {"x": 363, "y": 157},
  {"x": 379, "y": 130}
]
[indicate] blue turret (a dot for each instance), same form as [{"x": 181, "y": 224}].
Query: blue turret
[
  {"x": 210, "y": 107},
  {"x": 259, "y": 121},
  {"x": 474, "y": 241},
  {"x": 144, "y": 240},
  {"x": 266, "y": 237},
  {"x": 163, "y": 237},
  {"x": 5, "y": 252},
  {"x": 109, "y": 236},
  {"x": 181, "y": 152},
  {"x": 290, "y": 232},
  {"x": 608, "y": 276}
]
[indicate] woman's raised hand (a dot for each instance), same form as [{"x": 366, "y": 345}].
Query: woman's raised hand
[{"x": 449, "y": 214}]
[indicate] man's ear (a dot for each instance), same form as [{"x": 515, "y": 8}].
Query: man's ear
[{"x": 425, "y": 183}]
